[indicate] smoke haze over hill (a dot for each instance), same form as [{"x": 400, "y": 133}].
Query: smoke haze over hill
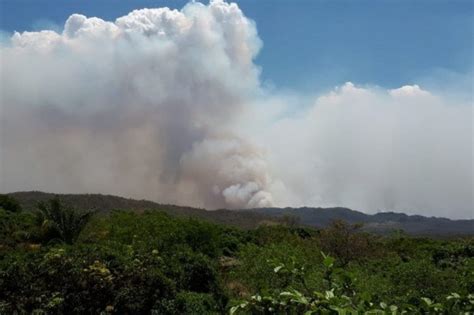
[{"x": 168, "y": 105}]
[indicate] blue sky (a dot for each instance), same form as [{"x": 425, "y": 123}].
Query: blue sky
[{"x": 315, "y": 45}]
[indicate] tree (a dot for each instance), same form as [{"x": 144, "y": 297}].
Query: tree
[
  {"x": 60, "y": 221},
  {"x": 345, "y": 241},
  {"x": 9, "y": 203}
]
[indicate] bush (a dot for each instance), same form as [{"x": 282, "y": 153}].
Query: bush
[
  {"x": 9, "y": 204},
  {"x": 336, "y": 299},
  {"x": 129, "y": 263},
  {"x": 189, "y": 303},
  {"x": 347, "y": 243}
]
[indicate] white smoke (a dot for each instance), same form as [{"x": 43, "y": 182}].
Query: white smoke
[
  {"x": 134, "y": 106},
  {"x": 167, "y": 105},
  {"x": 373, "y": 149}
]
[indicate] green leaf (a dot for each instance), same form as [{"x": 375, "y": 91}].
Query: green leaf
[
  {"x": 328, "y": 261},
  {"x": 427, "y": 301},
  {"x": 278, "y": 268},
  {"x": 234, "y": 309},
  {"x": 329, "y": 294}
]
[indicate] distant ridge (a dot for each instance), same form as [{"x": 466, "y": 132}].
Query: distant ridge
[{"x": 383, "y": 222}]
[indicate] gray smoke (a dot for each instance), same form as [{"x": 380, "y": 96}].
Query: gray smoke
[
  {"x": 373, "y": 149},
  {"x": 168, "y": 105},
  {"x": 137, "y": 107}
]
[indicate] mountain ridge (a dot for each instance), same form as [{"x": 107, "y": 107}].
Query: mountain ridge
[
  {"x": 317, "y": 217},
  {"x": 379, "y": 222}
]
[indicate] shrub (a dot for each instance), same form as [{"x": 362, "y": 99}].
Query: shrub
[
  {"x": 346, "y": 242},
  {"x": 9, "y": 203},
  {"x": 336, "y": 301}
]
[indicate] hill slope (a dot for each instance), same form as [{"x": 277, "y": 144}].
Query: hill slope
[
  {"x": 315, "y": 217},
  {"x": 107, "y": 203},
  {"x": 381, "y": 222}
]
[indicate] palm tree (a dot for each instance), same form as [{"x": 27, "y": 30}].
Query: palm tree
[{"x": 62, "y": 222}]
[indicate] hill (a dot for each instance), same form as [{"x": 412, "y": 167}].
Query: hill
[
  {"x": 107, "y": 203},
  {"x": 383, "y": 222}
]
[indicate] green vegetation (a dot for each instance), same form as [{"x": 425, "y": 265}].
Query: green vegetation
[{"x": 58, "y": 260}]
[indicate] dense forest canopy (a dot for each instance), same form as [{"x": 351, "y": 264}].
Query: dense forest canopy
[{"x": 61, "y": 260}]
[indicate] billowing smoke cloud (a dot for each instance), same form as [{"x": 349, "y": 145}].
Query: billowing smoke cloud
[
  {"x": 167, "y": 105},
  {"x": 367, "y": 148},
  {"x": 142, "y": 106}
]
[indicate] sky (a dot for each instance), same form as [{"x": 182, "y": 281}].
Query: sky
[
  {"x": 361, "y": 104},
  {"x": 313, "y": 45}
]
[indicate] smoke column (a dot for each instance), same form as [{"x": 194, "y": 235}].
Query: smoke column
[{"x": 168, "y": 105}]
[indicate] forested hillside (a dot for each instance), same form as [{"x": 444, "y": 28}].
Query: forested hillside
[
  {"x": 106, "y": 203},
  {"x": 56, "y": 258},
  {"x": 382, "y": 223}
]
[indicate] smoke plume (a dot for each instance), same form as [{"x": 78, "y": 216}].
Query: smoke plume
[
  {"x": 368, "y": 148},
  {"x": 142, "y": 106},
  {"x": 168, "y": 105}
]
